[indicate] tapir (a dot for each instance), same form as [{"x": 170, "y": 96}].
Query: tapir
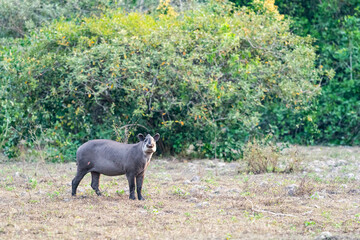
[{"x": 112, "y": 158}]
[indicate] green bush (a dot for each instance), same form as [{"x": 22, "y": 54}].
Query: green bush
[
  {"x": 18, "y": 18},
  {"x": 201, "y": 77},
  {"x": 334, "y": 117}
]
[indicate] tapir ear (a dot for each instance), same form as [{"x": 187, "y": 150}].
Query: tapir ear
[
  {"x": 141, "y": 137},
  {"x": 156, "y": 137}
]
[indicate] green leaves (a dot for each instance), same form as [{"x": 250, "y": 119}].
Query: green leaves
[{"x": 201, "y": 78}]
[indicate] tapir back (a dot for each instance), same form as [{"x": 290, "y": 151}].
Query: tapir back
[{"x": 107, "y": 157}]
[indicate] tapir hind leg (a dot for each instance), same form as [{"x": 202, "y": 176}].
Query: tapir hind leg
[
  {"x": 95, "y": 177},
  {"x": 75, "y": 182}
]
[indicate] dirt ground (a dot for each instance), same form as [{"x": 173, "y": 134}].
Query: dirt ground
[{"x": 187, "y": 199}]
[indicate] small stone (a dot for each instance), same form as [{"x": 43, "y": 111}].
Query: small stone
[
  {"x": 40, "y": 192},
  {"x": 194, "y": 191},
  {"x": 291, "y": 189},
  {"x": 263, "y": 184},
  {"x": 66, "y": 200},
  {"x": 340, "y": 163},
  {"x": 193, "y": 200},
  {"x": 221, "y": 164},
  {"x": 218, "y": 190},
  {"x": 325, "y": 236},
  {"x": 142, "y": 211},
  {"x": 201, "y": 187},
  {"x": 187, "y": 182},
  {"x": 233, "y": 165},
  {"x": 211, "y": 164},
  {"x": 19, "y": 174},
  {"x": 330, "y": 163},
  {"x": 202, "y": 204},
  {"x": 195, "y": 179},
  {"x": 350, "y": 175},
  {"x": 234, "y": 190}
]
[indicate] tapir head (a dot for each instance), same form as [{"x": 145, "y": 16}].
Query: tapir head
[{"x": 149, "y": 142}]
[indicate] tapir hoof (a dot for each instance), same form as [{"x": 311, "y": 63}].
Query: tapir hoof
[
  {"x": 141, "y": 198},
  {"x": 132, "y": 197}
]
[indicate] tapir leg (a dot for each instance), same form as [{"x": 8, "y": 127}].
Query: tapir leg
[
  {"x": 131, "y": 179},
  {"x": 139, "y": 183},
  {"x": 95, "y": 177},
  {"x": 76, "y": 180}
]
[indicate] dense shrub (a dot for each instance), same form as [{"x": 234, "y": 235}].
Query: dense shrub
[
  {"x": 335, "y": 118},
  {"x": 201, "y": 77},
  {"x": 18, "y": 17}
]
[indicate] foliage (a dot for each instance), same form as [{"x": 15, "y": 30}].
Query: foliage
[
  {"x": 206, "y": 84},
  {"x": 334, "y": 117},
  {"x": 261, "y": 156},
  {"x": 18, "y": 18}
]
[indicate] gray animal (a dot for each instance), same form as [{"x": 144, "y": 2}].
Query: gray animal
[{"x": 113, "y": 158}]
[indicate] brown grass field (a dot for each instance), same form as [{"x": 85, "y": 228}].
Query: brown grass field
[{"x": 187, "y": 199}]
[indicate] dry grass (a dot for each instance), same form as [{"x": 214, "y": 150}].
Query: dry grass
[{"x": 36, "y": 203}]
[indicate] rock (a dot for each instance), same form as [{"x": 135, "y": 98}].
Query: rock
[
  {"x": 142, "y": 211},
  {"x": 187, "y": 182},
  {"x": 263, "y": 184},
  {"x": 326, "y": 236},
  {"x": 218, "y": 190},
  {"x": 19, "y": 174},
  {"x": 330, "y": 163},
  {"x": 341, "y": 162},
  {"x": 202, "y": 204},
  {"x": 66, "y": 200},
  {"x": 233, "y": 165},
  {"x": 221, "y": 164},
  {"x": 350, "y": 175},
  {"x": 234, "y": 190},
  {"x": 201, "y": 187},
  {"x": 195, "y": 179},
  {"x": 194, "y": 191},
  {"x": 210, "y": 164},
  {"x": 291, "y": 189},
  {"x": 193, "y": 200},
  {"x": 40, "y": 192}
]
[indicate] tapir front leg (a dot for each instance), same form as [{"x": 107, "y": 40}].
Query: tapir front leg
[
  {"x": 131, "y": 179},
  {"x": 139, "y": 183}
]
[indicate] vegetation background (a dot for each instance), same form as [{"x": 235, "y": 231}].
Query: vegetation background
[{"x": 207, "y": 75}]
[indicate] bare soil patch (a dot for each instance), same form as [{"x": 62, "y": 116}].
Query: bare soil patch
[{"x": 198, "y": 199}]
